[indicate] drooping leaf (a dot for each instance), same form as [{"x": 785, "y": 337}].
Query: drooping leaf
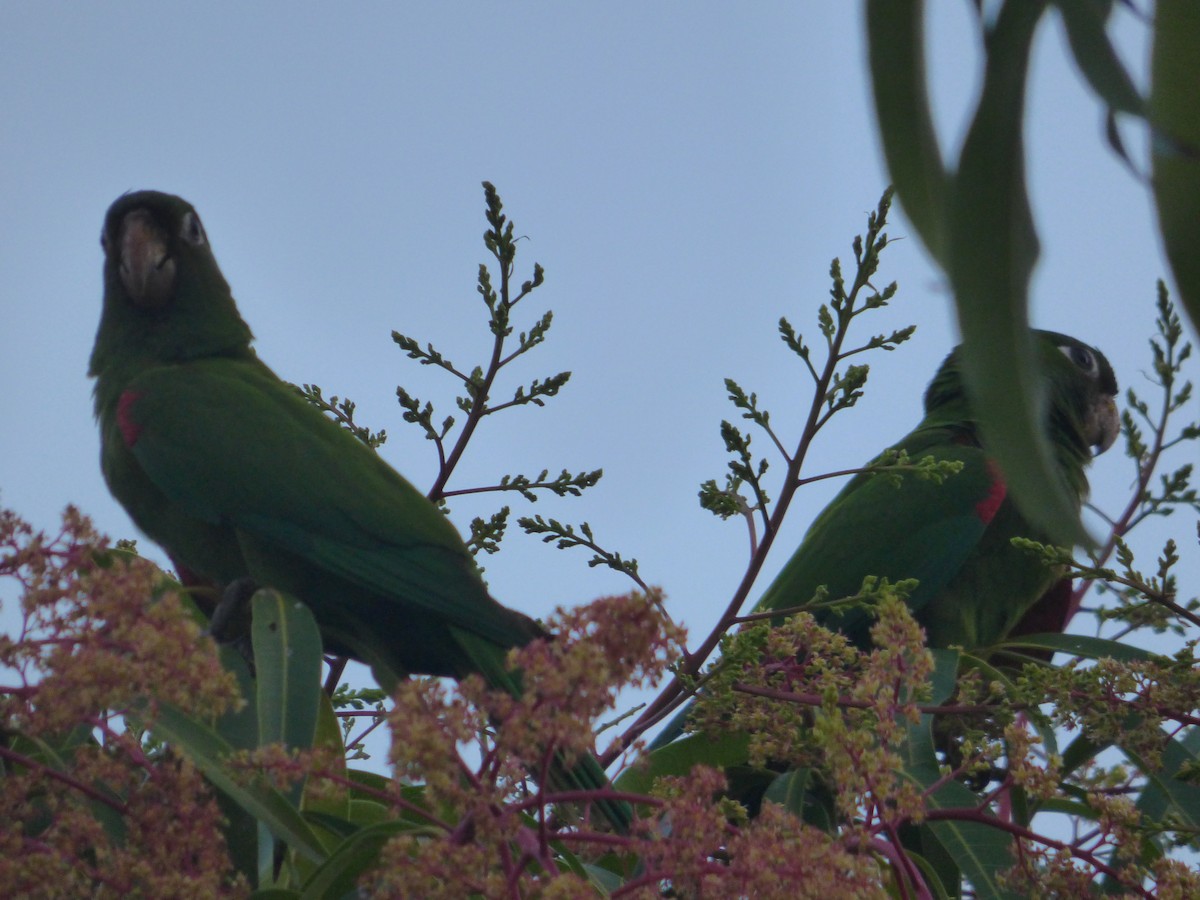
[
  {"x": 1082, "y": 645},
  {"x": 895, "y": 35},
  {"x": 1095, "y": 56},
  {"x": 1175, "y": 157},
  {"x": 993, "y": 248},
  {"x": 209, "y": 752}
]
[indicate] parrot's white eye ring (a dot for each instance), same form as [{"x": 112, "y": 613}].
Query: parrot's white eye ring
[
  {"x": 1081, "y": 356},
  {"x": 192, "y": 230}
]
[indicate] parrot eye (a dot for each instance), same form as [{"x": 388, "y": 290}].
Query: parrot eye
[
  {"x": 192, "y": 230},
  {"x": 1081, "y": 356}
]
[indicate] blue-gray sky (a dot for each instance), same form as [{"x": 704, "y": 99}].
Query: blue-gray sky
[{"x": 684, "y": 171}]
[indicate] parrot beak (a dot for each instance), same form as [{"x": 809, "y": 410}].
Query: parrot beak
[
  {"x": 1104, "y": 424},
  {"x": 147, "y": 269}
]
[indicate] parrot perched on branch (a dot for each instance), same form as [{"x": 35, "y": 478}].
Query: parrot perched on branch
[
  {"x": 954, "y": 536},
  {"x": 242, "y": 480}
]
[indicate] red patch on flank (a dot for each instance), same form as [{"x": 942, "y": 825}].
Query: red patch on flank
[
  {"x": 130, "y": 429},
  {"x": 987, "y": 507}
]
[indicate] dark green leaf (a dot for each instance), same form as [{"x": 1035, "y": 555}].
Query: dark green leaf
[
  {"x": 208, "y": 751},
  {"x": 1175, "y": 160},
  {"x": 1095, "y": 56},
  {"x": 287, "y": 659},
  {"x": 679, "y": 758},
  {"x": 993, "y": 247},
  {"x": 1082, "y": 645},
  {"x": 981, "y": 852},
  {"x": 339, "y": 875},
  {"x": 895, "y": 34}
]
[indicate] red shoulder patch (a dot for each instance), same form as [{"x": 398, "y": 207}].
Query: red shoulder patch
[
  {"x": 131, "y": 430},
  {"x": 987, "y": 507}
]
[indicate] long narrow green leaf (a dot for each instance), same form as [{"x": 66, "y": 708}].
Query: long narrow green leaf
[
  {"x": 896, "y": 42},
  {"x": 287, "y": 662},
  {"x": 338, "y": 876},
  {"x": 601, "y": 878},
  {"x": 208, "y": 751},
  {"x": 328, "y": 736},
  {"x": 804, "y": 797},
  {"x": 1175, "y": 160},
  {"x": 239, "y": 728},
  {"x": 1095, "y": 56},
  {"x": 945, "y": 675},
  {"x": 1165, "y": 798},
  {"x": 1082, "y": 645},
  {"x": 993, "y": 248},
  {"x": 981, "y": 852},
  {"x": 679, "y": 757},
  {"x": 935, "y": 878},
  {"x": 1165, "y": 794}
]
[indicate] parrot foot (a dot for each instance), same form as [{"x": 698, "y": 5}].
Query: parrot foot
[{"x": 229, "y": 624}]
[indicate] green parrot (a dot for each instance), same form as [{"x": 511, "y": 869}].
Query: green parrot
[
  {"x": 974, "y": 587},
  {"x": 243, "y": 481}
]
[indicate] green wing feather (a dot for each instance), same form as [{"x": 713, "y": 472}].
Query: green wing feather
[
  {"x": 918, "y": 528},
  {"x": 228, "y": 443}
]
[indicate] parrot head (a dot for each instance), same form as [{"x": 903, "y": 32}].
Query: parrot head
[
  {"x": 1080, "y": 396},
  {"x": 1083, "y": 390},
  {"x": 165, "y": 299}
]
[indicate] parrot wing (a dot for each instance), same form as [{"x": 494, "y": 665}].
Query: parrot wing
[
  {"x": 229, "y": 443},
  {"x": 918, "y": 528}
]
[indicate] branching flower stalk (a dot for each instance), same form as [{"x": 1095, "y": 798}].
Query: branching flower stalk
[
  {"x": 1169, "y": 356},
  {"x": 834, "y": 389}
]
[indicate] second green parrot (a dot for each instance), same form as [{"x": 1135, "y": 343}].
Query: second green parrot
[{"x": 954, "y": 536}]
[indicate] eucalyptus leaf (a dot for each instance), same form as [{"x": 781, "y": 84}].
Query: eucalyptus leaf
[
  {"x": 1175, "y": 157},
  {"x": 895, "y": 35},
  {"x": 1095, "y": 56}
]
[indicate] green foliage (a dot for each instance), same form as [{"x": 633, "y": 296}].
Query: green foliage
[
  {"x": 1173, "y": 113},
  {"x": 991, "y": 780},
  {"x": 476, "y": 386}
]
